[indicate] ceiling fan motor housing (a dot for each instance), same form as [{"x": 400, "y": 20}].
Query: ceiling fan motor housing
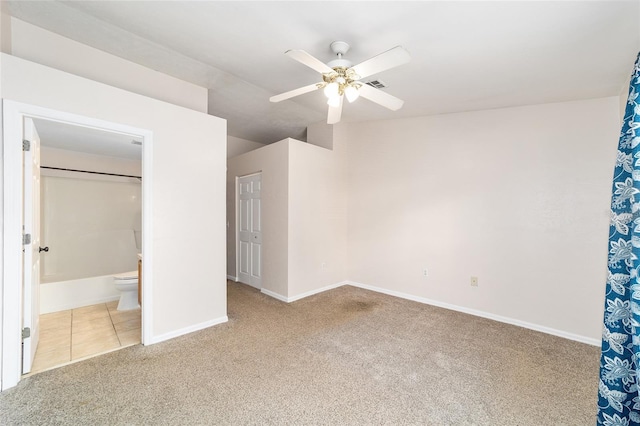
[
  {"x": 340, "y": 63},
  {"x": 340, "y": 48}
]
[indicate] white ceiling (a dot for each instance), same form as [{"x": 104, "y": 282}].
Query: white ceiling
[
  {"x": 465, "y": 55},
  {"x": 54, "y": 134}
]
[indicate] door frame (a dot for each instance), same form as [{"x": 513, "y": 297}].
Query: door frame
[
  {"x": 237, "y": 216},
  {"x": 13, "y": 130}
]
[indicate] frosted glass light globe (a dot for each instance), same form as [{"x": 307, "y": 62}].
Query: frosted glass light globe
[
  {"x": 351, "y": 93},
  {"x": 332, "y": 90}
]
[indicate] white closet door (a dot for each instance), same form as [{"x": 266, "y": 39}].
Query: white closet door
[{"x": 249, "y": 231}]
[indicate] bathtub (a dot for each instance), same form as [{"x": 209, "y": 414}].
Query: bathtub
[
  {"x": 92, "y": 226},
  {"x": 71, "y": 294}
]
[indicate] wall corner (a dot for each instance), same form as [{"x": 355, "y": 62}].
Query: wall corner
[{"x": 320, "y": 134}]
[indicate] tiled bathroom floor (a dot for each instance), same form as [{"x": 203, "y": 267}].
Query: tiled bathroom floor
[{"x": 78, "y": 333}]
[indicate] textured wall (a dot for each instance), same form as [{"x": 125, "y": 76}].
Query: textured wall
[{"x": 518, "y": 197}]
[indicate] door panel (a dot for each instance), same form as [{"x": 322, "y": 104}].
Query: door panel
[
  {"x": 31, "y": 258},
  {"x": 245, "y": 215},
  {"x": 256, "y": 225},
  {"x": 244, "y": 257},
  {"x": 255, "y": 260}
]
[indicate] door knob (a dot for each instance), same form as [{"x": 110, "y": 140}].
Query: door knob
[{"x": 44, "y": 249}]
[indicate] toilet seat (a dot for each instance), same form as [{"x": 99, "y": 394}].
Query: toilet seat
[{"x": 126, "y": 276}]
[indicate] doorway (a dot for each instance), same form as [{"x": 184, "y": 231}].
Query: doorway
[
  {"x": 249, "y": 236},
  {"x": 20, "y": 308},
  {"x": 90, "y": 230}
]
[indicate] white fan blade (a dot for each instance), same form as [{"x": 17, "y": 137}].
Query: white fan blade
[
  {"x": 335, "y": 112},
  {"x": 382, "y": 62},
  {"x": 295, "y": 92},
  {"x": 380, "y": 97},
  {"x": 308, "y": 60}
]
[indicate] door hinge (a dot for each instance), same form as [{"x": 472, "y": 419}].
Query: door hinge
[
  {"x": 26, "y": 145},
  {"x": 26, "y": 239},
  {"x": 26, "y": 332}
]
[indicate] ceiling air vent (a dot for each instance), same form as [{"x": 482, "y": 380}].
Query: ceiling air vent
[{"x": 377, "y": 84}]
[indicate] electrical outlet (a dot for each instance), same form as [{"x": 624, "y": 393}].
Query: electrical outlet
[
  {"x": 474, "y": 281},
  {"x": 324, "y": 265},
  {"x": 425, "y": 272}
]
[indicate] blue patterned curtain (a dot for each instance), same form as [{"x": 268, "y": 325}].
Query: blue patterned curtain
[{"x": 618, "y": 397}]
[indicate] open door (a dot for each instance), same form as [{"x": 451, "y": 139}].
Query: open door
[{"x": 31, "y": 245}]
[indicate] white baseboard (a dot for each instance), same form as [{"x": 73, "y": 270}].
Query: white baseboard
[
  {"x": 301, "y": 295},
  {"x": 319, "y": 290},
  {"x": 232, "y": 278},
  {"x": 274, "y": 295},
  {"x": 187, "y": 330},
  {"x": 499, "y": 318}
]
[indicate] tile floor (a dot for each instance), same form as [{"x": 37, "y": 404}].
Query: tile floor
[{"x": 67, "y": 336}]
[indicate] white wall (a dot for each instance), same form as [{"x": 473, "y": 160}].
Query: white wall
[
  {"x": 303, "y": 198},
  {"x": 624, "y": 95},
  {"x": 273, "y": 161},
  {"x": 69, "y": 201},
  {"x": 90, "y": 227},
  {"x": 47, "y": 48},
  {"x": 317, "y": 217},
  {"x": 518, "y": 197},
  {"x": 189, "y": 154},
  {"x": 5, "y": 46},
  {"x": 238, "y": 146},
  {"x": 5, "y": 29},
  {"x": 321, "y": 134},
  {"x": 65, "y": 159}
]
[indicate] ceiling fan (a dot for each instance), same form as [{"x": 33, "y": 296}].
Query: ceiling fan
[{"x": 340, "y": 78}]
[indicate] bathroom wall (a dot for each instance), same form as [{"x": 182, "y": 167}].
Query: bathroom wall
[
  {"x": 92, "y": 227},
  {"x": 65, "y": 159},
  {"x": 91, "y": 223}
]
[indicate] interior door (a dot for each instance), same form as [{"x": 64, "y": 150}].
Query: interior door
[
  {"x": 31, "y": 257},
  {"x": 249, "y": 230}
]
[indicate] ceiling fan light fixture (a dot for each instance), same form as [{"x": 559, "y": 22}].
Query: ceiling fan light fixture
[
  {"x": 340, "y": 78},
  {"x": 351, "y": 92},
  {"x": 332, "y": 90}
]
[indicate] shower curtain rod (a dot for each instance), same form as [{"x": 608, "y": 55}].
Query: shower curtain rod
[{"x": 87, "y": 171}]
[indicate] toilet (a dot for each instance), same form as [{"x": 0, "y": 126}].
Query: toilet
[{"x": 127, "y": 284}]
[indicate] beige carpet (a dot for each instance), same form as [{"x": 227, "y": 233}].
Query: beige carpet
[{"x": 347, "y": 356}]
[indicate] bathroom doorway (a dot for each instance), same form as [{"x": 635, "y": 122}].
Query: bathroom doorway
[
  {"x": 90, "y": 231},
  {"x": 18, "y": 325}
]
